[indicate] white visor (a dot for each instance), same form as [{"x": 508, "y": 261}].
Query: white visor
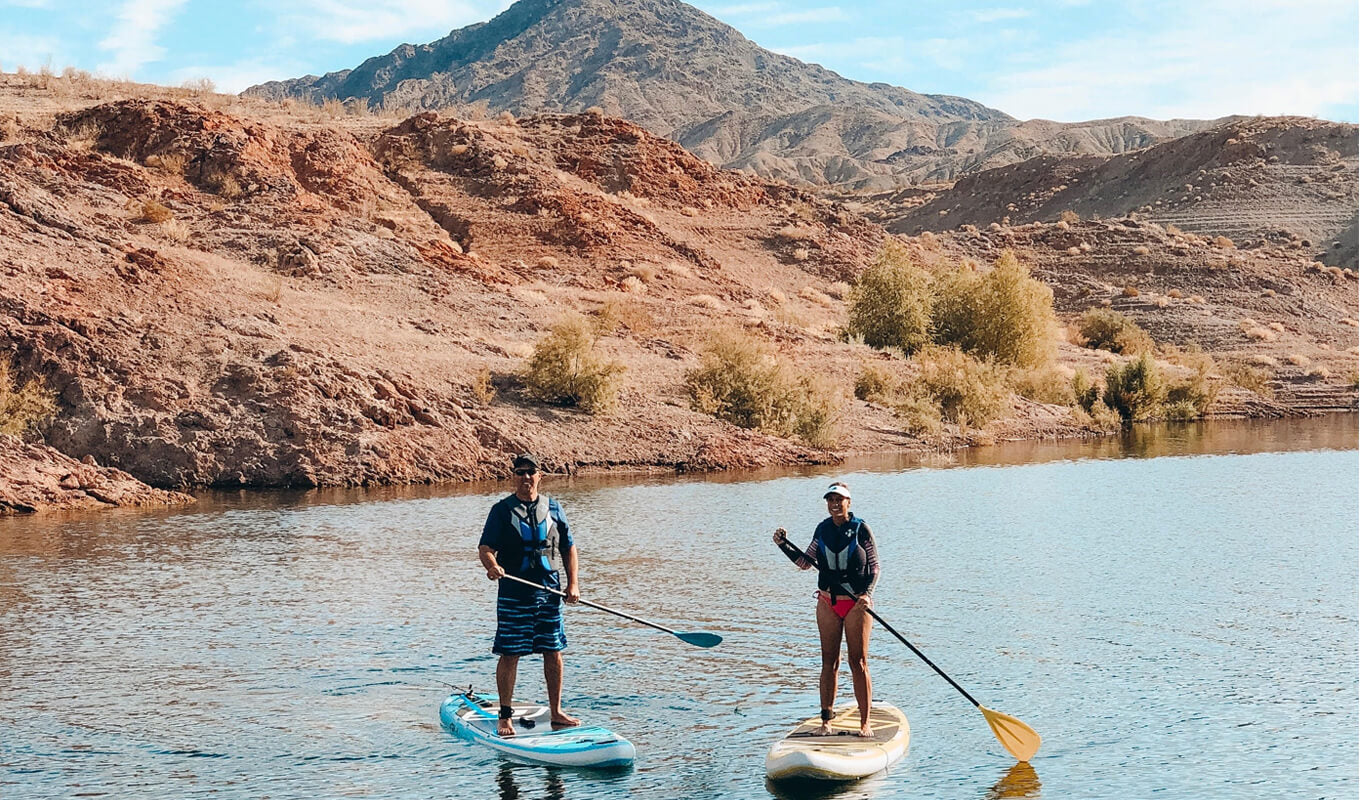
[{"x": 836, "y": 488}]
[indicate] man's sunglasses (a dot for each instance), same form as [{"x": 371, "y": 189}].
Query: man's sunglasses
[{"x": 523, "y": 472}]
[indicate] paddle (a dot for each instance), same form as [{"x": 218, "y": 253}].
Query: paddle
[
  {"x": 696, "y": 639},
  {"x": 1019, "y": 739}
]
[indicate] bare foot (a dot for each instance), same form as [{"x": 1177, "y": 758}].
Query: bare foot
[
  {"x": 824, "y": 730},
  {"x": 561, "y": 720},
  {"x": 865, "y": 731},
  {"x": 505, "y": 729}
]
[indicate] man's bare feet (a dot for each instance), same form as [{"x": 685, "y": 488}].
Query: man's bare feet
[
  {"x": 561, "y": 720},
  {"x": 865, "y": 731},
  {"x": 824, "y": 730},
  {"x": 505, "y": 729}
]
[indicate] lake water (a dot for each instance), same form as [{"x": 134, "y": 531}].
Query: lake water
[{"x": 1178, "y": 626}]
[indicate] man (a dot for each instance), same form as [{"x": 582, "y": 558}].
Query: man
[{"x": 526, "y": 535}]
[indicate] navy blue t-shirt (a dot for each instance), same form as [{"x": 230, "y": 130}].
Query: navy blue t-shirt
[{"x": 502, "y": 533}]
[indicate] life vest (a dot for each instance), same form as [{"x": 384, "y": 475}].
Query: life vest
[
  {"x": 538, "y": 535},
  {"x": 846, "y": 567}
]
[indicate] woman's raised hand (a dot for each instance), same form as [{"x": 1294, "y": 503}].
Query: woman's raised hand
[{"x": 780, "y": 536}]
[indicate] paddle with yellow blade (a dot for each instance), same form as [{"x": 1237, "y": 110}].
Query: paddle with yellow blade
[{"x": 1019, "y": 739}]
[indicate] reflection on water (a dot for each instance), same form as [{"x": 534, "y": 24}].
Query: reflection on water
[
  {"x": 1182, "y": 627},
  {"x": 548, "y": 779},
  {"x": 1020, "y": 781}
]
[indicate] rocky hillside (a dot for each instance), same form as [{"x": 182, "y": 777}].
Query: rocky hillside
[
  {"x": 240, "y": 293},
  {"x": 1284, "y": 180},
  {"x": 683, "y": 74}
]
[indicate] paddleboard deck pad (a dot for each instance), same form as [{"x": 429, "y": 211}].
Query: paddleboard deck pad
[
  {"x": 474, "y": 717},
  {"x": 844, "y": 755}
]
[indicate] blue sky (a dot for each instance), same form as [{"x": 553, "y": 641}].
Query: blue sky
[{"x": 1066, "y": 60}]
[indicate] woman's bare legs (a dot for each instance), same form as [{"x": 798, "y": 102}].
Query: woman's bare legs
[
  {"x": 857, "y": 625},
  {"x": 829, "y": 627}
]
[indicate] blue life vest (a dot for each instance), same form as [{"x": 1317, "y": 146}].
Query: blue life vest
[{"x": 540, "y": 554}]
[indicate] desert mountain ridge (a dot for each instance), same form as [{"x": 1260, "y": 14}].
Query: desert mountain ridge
[
  {"x": 684, "y": 75},
  {"x": 226, "y": 291}
]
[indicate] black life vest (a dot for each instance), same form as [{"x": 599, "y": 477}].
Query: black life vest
[{"x": 847, "y": 566}]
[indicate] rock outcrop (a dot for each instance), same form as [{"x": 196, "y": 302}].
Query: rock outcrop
[{"x": 35, "y": 477}]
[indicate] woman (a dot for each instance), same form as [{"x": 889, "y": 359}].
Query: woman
[{"x": 843, "y": 551}]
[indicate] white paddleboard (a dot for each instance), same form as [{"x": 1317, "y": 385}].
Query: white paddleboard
[
  {"x": 474, "y": 717},
  {"x": 844, "y": 755}
]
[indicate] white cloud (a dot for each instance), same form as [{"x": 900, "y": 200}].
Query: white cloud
[
  {"x": 132, "y": 40},
  {"x": 235, "y": 78},
  {"x": 743, "y": 10},
  {"x": 999, "y": 14},
  {"x": 352, "y": 21},
  {"x": 1272, "y": 61},
  {"x": 32, "y": 52},
  {"x": 805, "y": 17}
]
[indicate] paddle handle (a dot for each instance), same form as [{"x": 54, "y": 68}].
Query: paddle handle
[{"x": 592, "y": 605}]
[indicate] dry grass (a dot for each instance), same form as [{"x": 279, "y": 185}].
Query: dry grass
[
  {"x": 707, "y": 301},
  {"x": 547, "y": 262},
  {"x": 175, "y": 230},
  {"x": 25, "y": 408},
  {"x": 483, "y": 390},
  {"x": 633, "y": 285},
  {"x": 812, "y": 295},
  {"x": 1252, "y": 378},
  {"x": 1141, "y": 250},
  {"x": 1129, "y": 291},
  {"x": 797, "y": 233},
  {"x": 154, "y": 212}
]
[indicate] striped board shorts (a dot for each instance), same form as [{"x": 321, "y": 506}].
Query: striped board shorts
[{"x": 526, "y": 625}]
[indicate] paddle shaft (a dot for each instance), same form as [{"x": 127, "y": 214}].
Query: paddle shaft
[
  {"x": 597, "y": 605},
  {"x": 921, "y": 656}
]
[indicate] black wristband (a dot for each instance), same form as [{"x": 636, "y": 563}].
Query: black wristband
[
  {"x": 507, "y": 712},
  {"x": 789, "y": 550}
]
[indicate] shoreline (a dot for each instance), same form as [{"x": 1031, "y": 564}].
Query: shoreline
[{"x": 1224, "y": 436}]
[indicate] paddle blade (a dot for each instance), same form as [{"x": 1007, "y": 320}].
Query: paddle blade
[
  {"x": 1019, "y": 739},
  {"x": 700, "y": 639}
]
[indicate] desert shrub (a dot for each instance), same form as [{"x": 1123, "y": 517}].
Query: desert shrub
[
  {"x": 890, "y": 303},
  {"x": 1050, "y": 384},
  {"x": 1003, "y": 314},
  {"x": 223, "y": 184},
  {"x": 565, "y": 369},
  {"x": 1249, "y": 377},
  {"x": 919, "y": 415},
  {"x": 875, "y": 383},
  {"x": 154, "y": 212},
  {"x": 23, "y": 409},
  {"x": 1191, "y": 396},
  {"x": 1106, "y": 329},
  {"x": 967, "y": 390},
  {"x": 1130, "y": 291},
  {"x": 1135, "y": 389},
  {"x": 171, "y": 164},
  {"x": 483, "y": 391},
  {"x": 632, "y": 315},
  {"x": 738, "y": 380}
]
